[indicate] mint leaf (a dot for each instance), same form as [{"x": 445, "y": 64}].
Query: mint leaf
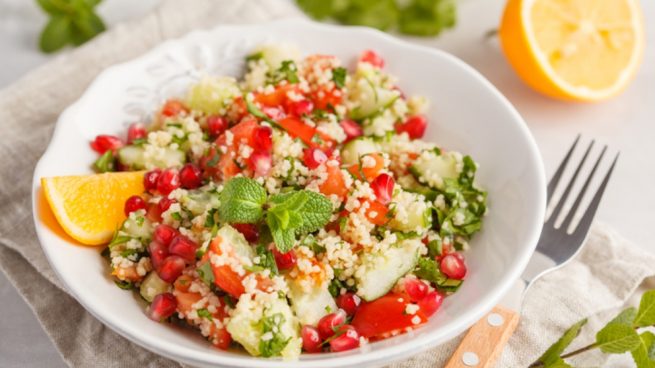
[
  {"x": 206, "y": 274},
  {"x": 552, "y": 355},
  {"x": 315, "y": 212},
  {"x": 617, "y": 339},
  {"x": 427, "y": 18},
  {"x": 204, "y": 313},
  {"x": 56, "y": 34},
  {"x": 646, "y": 314},
  {"x": 274, "y": 346},
  {"x": 242, "y": 200},
  {"x": 644, "y": 355},
  {"x": 284, "y": 239}
]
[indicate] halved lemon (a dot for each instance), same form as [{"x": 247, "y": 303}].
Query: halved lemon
[
  {"x": 90, "y": 207},
  {"x": 583, "y": 50}
]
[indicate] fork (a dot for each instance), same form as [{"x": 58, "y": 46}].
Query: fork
[{"x": 484, "y": 342}]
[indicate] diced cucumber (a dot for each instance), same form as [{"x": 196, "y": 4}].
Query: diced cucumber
[
  {"x": 137, "y": 226},
  {"x": 357, "y": 148},
  {"x": 274, "y": 55},
  {"x": 237, "y": 241},
  {"x": 198, "y": 202},
  {"x": 310, "y": 307},
  {"x": 211, "y": 94},
  {"x": 132, "y": 156},
  {"x": 246, "y": 325},
  {"x": 372, "y": 99},
  {"x": 152, "y": 286},
  {"x": 450, "y": 285},
  {"x": 380, "y": 271},
  {"x": 431, "y": 168},
  {"x": 415, "y": 214},
  {"x": 410, "y": 184}
]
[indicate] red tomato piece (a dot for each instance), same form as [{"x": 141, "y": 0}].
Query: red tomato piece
[
  {"x": 335, "y": 183},
  {"x": 385, "y": 316},
  {"x": 309, "y": 135},
  {"x": 173, "y": 108},
  {"x": 377, "y": 213},
  {"x": 369, "y": 172}
]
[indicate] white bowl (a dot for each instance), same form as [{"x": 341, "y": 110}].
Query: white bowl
[{"x": 467, "y": 114}]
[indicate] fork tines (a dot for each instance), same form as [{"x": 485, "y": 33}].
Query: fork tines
[{"x": 585, "y": 222}]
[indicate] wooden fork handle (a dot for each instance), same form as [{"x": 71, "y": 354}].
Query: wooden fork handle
[{"x": 484, "y": 342}]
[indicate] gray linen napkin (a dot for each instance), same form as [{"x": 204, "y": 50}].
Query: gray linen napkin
[{"x": 604, "y": 277}]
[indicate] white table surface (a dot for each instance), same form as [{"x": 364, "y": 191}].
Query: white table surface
[{"x": 626, "y": 123}]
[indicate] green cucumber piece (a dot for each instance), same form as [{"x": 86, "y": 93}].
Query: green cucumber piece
[{"x": 355, "y": 149}]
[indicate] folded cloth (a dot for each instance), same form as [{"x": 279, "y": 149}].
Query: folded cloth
[{"x": 603, "y": 277}]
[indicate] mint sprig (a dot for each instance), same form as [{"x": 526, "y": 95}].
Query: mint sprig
[
  {"x": 71, "y": 22},
  {"x": 413, "y": 17},
  {"x": 242, "y": 201},
  {"x": 619, "y": 336},
  {"x": 288, "y": 215}
]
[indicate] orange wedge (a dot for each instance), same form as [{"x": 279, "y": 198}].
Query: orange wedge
[
  {"x": 582, "y": 50},
  {"x": 90, "y": 207}
]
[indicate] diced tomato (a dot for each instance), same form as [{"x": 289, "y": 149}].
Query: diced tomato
[
  {"x": 278, "y": 97},
  {"x": 219, "y": 337},
  {"x": 240, "y": 132},
  {"x": 335, "y": 183},
  {"x": 228, "y": 279},
  {"x": 369, "y": 172},
  {"x": 377, "y": 213},
  {"x": 309, "y": 135},
  {"x": 372, "y": 57},
  {"x": 173, "y": 108},
  {"x": 385, "y": 316},
  {"x": 326, "y": 99}
]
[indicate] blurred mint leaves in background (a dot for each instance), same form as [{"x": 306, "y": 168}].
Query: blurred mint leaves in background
[
  {"x": 411, "y": 17},
  {"x": 71, "y": 22}
]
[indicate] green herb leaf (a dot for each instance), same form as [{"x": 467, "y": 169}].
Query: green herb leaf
[
  {"x": 242, "y": 200},
  {"x": 380, "y": 14},
  {"x": 626, "y": 317},
  {"x": 427, "y": 17},
  {"x": 266, "y": 259},
  {"x": 204, "y": 313},
  {"x": 51, "y": 7},
  {"x": 86, "y": 25},
  {"x": 552, "y": 355},
  {"x": 105, "y": 163},
  {"x": 274, "y": 346},
  {"x": 646, "y": 314},
  {"x": 617, "y": 338},
  {"x": 644, "y": 355},
  {"x": 125, "y": 285},
  {"x": 428, "y": 269},
  {"x": 206, "y": 274},
  {"x": 56, "y": 34},
  {"x": 339, "y": 76}
]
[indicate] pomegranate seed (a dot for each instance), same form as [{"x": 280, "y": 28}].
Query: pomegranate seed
[
  {"x": 105, "y": 142},
  {"x": 284, "y": 261},
  {"x": 216, "y": 125},
  {"x": 168, "y": 181},
  {"x": 383, "y": 188},
  {"x": 162, "y": 307},
  {"x": 352, "y": 129},
  {"x": 414, "y": 126},
  {"x": 164, "y": 234},
  {"x": 273, "y": 112},
  {"x": 171, "y": 268},
  {"x": 173, "y": 108},
  {"x": 150, "y": 180},
  {"x": 190, "y": 176},
  {"x": 349, "y": 302},
  {"x": 430, "y": 303},
  {"x": 311, "y": 341},
  {"x": 300, "y": 108},
  {"x": 158, "y": 252},
  {"x": 164, "y": 204},
  {"x": 136, "y": 131},
  {"x": 261, "y": 163},
  {"x": 347, "y": 340},
  {"x": 183, "y": 247},
  {"x": 249, "y": 231},
  {"x": 134, "y": 203},
  {"x": 416, "y": 289},
  {"x": 453, "y": 266},
  {"x": 263, "y": 138},
  {"x": 327, "y": 325},
  {"x": 371, "y": 57},
  {"x": 314, "y": 157}
]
